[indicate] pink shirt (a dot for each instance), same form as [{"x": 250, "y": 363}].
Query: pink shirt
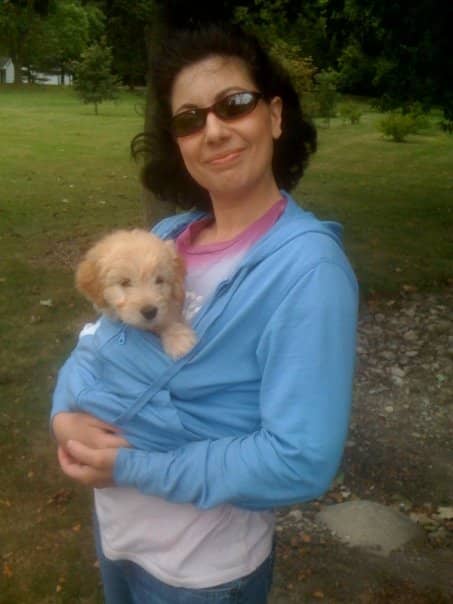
[{"x": 209, "y": 264}]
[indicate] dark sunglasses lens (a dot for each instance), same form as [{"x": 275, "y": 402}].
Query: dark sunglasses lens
[
  {"x": 235, "y": 105},
  {"x": 187, "y": 122},
  {"x": 232, "y": 106}
]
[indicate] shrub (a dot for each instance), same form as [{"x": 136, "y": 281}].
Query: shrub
[
  {"x": 397, "y": 126},
  {"x": 419, "y": 117},
  {"x": 447, "y": 126},
  {"x": 326, "y": 93},
  {"x": 351, "y": 112}
]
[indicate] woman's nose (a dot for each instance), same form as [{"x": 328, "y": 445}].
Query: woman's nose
[{"x": 215, "y": 128}]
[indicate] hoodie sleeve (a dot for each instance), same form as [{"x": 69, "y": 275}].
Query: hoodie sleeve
[
  {"x": 307, "y": 357},
  {"x": 81, "y": 369}
]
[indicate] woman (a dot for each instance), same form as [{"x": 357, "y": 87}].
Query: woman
[{"x": 263, "y": 399}]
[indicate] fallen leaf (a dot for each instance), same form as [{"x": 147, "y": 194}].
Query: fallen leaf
[
  {"x": 61, "y": 497},
  {"x": 7, "y": 570},
  {"x": 318, "y": 594}
]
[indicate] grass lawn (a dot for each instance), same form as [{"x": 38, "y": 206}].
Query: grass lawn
[
  {"x": 394, "y": 199},
  {"x": 65, "y": 177}
]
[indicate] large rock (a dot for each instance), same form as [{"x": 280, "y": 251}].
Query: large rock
[{"x": 370, "y": 525}]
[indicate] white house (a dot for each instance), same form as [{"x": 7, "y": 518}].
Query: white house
[
  {"x": 52, "y": 79},
  {"x": 6, "y": 71}
]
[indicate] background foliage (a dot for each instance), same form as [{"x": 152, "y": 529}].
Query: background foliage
[{"x": 398, "y": 52}]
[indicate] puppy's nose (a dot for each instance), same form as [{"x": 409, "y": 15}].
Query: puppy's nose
[{"x": 149, "y": 312}]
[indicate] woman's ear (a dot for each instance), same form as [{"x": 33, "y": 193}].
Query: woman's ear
[
  {"x": 88, "y": 282},
  {"x": 276, "y": 108}
]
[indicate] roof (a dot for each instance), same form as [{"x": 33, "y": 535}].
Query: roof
[{"x": 4, "y": 61}]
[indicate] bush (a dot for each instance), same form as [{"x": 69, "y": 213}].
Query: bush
[
  {"x": 397, "y": 125},
  {"x": 409, "y": 120},
  {"x": 351, "y": 112},
  {"x": 326, "y": 93},
  {"x": 447, "y": 126},
  {"x": 419, "y": 117}
]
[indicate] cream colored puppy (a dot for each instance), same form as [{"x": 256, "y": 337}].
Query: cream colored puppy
[{"x": 138, "y": 278}]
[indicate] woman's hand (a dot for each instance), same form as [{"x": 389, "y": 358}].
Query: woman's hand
[
  {"x": 86, "y": 429},
  {"x": 87, "y": 448},
  {"x": 90, "y": 467}
]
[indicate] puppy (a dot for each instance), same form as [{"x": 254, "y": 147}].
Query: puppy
[{"x": 138, "y": 278}]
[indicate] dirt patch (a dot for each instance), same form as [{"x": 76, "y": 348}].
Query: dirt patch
[
  {"x": 64, "y": 253},
  {"x": 399, "y": 453}
]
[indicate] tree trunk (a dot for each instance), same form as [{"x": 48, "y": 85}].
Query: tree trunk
[
  {"x": 17, "y": 61},
  {"x": 154, "y": 210}
]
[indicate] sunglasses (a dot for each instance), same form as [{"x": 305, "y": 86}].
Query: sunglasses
[{"x": 231, "y": 107}]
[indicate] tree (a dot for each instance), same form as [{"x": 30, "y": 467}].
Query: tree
[
  {"x": 66, "y": 33},
  {"x": 93, "y": 78},
  {"x": 20, "y": 25},
  {"x": 357, "y": 70},
  {"x": 326, "y": 93},
  {"x": 301, "y": 70},
  {"x": 405, "y": 49},
  {"x": 125, "y": 31}
]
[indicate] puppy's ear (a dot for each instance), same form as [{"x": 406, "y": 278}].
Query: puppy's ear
[
  {"x": 179, "y": 271},
  {"x": 88, "y": 282}
]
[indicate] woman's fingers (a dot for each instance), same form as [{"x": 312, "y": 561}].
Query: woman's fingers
[
  {"x": 112, "y": 441},
  {"x": 98, "y": 423},
  {"x": 84, "y": 455},
  {"x": 64, "y": 458},
  {"x": 86, "y": 429},
  {"x": 91, "y": 467}
]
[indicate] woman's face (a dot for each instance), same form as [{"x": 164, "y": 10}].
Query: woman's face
[{"x": 226, "y": 157}]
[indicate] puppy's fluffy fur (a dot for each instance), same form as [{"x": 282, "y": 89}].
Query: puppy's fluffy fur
[{"x": 138, "y": 278}]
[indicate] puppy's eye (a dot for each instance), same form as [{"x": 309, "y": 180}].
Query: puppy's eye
[
  {"x": 125, "y": 282},
  {"x": 159, "y": 280}
]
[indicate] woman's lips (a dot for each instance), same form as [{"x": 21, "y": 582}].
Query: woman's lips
[{"x": 224, "y": 158}]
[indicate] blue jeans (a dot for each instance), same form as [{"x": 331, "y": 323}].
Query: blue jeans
[{"x": 128, "y": 583}]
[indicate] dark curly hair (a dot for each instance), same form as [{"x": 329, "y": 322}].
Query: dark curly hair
[{"x": 164, "y": 173}]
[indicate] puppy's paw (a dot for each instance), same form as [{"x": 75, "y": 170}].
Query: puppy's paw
[{"x": 178, "y": 339}]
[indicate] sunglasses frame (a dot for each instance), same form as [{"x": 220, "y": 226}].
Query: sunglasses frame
[{"x": 202, "y": 112}]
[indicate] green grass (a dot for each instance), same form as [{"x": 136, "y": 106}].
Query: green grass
[
  {"x": 394, "y": 199},
  {"x": 65, "y": 177}
]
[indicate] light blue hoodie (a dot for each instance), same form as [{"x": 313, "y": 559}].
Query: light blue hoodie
[{"x": 256, "y": 415}]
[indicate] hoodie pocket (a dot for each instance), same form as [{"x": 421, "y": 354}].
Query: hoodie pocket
[{"x": 152, "y": 422}]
